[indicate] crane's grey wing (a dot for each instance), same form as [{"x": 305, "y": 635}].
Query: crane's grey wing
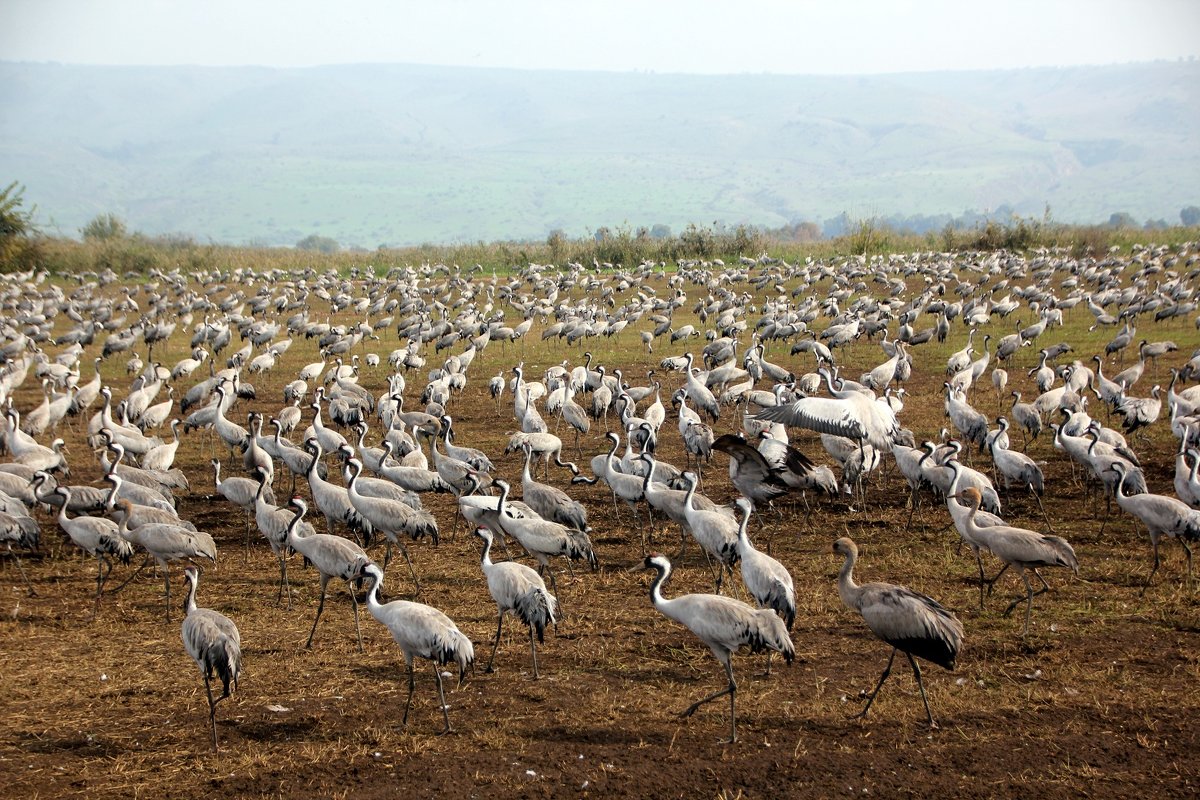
[{"x": 820, "y": 414}]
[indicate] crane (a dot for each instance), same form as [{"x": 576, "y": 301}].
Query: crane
[
  {"x": 724, "y": 625},
  {"x": 767, "y": 580},
  {"x": 1020, "y": 549},
  {"x": 1162, "y": 516},
  {"x": 213, "y": 642},
  {"x": 519, "y": 589},
  {"x": 849, "y": 413},
  {"x": 907, "y": 620},
  {"x": 97, "y": 536},
  {"x": 333, "y": 556},
  {"x": 421, "y": 631},
  {"x": 390, "y": 517}
]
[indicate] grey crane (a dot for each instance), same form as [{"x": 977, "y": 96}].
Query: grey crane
[
  {"x": 1020, "y": 549},
  {"x": 724, "y": 625},
  {"x": 333, "y": 556},
  {"x": 959, "y": 513},
  {"x": 750, "y": 472},
  {"x": 97, "y": 536},
  {"x": 213, "y": 642},
  {"x": 1027, "y": 417},
  {"x": 700, "y": 394},
  {"x": 332, "y": 500},
  {"x": 714, "y": 531},
  {"x": 767, "y": 580},
  {"x": 19, "y": 529},
  {"x": 1016, "y": 467},
  {"x": 543, "y": 538},
  {"x": 166, "y": 542},
  {"x": 422, "y": 632},
  {"x": 1162, "y": 516},
  {"x": 849, "y": 413},
  {"x": 241, "y": 492},
  {"x": 909, "y": 621},
  {"x": 519, "y": 589},
  {"x": 273, "y": 523},
  {"x": 550, "y": 502},
  {"x": 391, "y": 518}
]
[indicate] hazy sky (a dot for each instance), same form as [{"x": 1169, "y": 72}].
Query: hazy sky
[{"x": 703, "y": 36}]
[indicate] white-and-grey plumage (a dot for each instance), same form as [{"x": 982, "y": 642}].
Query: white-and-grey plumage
[
  {"x": 909, "y": 621},
  {"x": 213, "y": 642},
  {"x": 519, "y": 589},
  {"x": 421, "y": 631},
  {"x": 724, "y": 625}
]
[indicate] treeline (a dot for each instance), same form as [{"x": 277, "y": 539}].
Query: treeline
[{"x": 108, "y": 244}]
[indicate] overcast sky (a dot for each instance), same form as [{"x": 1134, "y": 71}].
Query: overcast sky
[{"x": 697, "y": 36}]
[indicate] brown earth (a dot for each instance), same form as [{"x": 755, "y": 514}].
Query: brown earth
[{"x": 1100, "y": 700}]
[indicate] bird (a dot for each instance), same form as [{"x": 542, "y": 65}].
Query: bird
[
  {"x": 750, "y": 473},
  {"x": 1162, "y": 516},
  {"x": 213, "y": 642},
  {"x": 391, "y": 518},
  {"x": 854, "y": 415},
  {"x": 767, "y": 580},
  {"x": 543, "y": 538},
  {"x": 909, "y": 621},
  {"x": 333, "y": 556},
  {"x": 97, "y": 536},
  {"x": 1018, "y": 548},
  {"x": 422, "y": 632},
  {"x": 519, "y": 589},
  {"x": 166, "y": 542},
  {"x": 724, "y": 625}
]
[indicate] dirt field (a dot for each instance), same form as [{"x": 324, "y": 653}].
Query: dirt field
[{"x": 1101, "y": 699}]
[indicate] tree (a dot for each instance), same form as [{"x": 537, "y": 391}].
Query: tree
[
  {"x": 16, "y": 228},
  {"x": 1190, "y": 216},
  {"x": 1122, "y": 219},
  {"x": 322, "y": 244},
  {"x": 660, "y": 231},
  {"x": 104, "y": 228}
]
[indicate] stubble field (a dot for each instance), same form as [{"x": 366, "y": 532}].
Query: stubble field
[{"x": 1100, "y": 699}]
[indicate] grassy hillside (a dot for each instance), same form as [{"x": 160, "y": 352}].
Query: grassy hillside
[{"x": 375, "y": 154}]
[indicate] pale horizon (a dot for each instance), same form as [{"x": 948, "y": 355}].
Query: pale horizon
[{"x": 702, "y": 38}]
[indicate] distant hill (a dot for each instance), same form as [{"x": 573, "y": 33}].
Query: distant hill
[{"x": 378, "y": 154}]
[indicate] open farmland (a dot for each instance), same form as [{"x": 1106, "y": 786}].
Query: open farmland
[{"x": 1100, "y": 698}]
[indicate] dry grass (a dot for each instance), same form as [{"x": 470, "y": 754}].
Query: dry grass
[{"x": 1100, "y": 698}]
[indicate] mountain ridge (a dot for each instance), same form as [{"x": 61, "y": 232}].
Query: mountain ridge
[{"x": 402, "y": 154}]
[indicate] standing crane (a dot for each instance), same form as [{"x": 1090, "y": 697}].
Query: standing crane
[
  {"x": 1162, "y": 516},
  {"x": 724, "y": 625},
  {"x": 97, "y": 536},
  {"x": 421, "y": 631},
  {"x": 333, "y": 556},
  {"x": 767, "y": 580},
  {"x": 391, "y": 518},
  {"x": 519, "y": 589},
  {"x": 213, "y": 642},
  {"x": 849, "y": 413},
  {"x": 1018, "y": 548},
  {"x": 907, "y": 620}
]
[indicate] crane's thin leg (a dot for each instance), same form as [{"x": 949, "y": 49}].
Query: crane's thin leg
[
  {"x": 921, "y": 686},
  {"x": 730, "y": 689},
  {"x": 283, "y": 582},
  {"x": 167, "y": 583},
  {"x": 871, "y": 697},
  {"x": 1186, "y": 548},
  {"x": 1045, "y": 516},
  {"x": 496, "y": 645},
  {"x": 992, "y": 582},
  {"x": 137, "y": 572},
  {"x": 982, "y": 580},
  {"x": 411, "y": 685},
  {"x": 246, "y": 551},
  {"x": 437, "y": 673},
  {"x": 212, "y": 710},
  {"x": 533, "y": 648},
  {"x": 1149, "y": 578},
  {"x": 320, "y": 608},
  {"x": 32, "y": 593},
  {"x": 354, "y": 604}
]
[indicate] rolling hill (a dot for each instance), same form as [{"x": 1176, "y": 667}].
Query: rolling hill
[{"x": 389, "y": 154}]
